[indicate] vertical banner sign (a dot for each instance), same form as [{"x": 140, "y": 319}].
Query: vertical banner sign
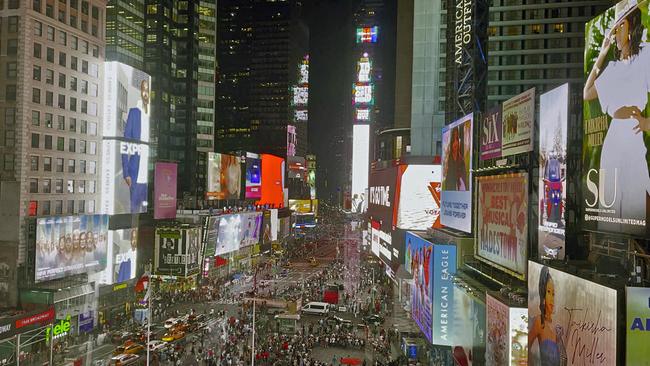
[
  {"x": 360, "y": 166},
  {"x": 421, "y": 267},
  {"x": 444, "y": 269},
  {"x": 554, "y": 108},
  {"x": 502, "y": 223},
  {"x": 491, "y": 134},
  {"x": 616, "y": 129},
  {"x": 571, "y": 321},
  {"x": 457, "y": 175},
  {"x": 518, "y": 123},
  {"x": 638, "y": 326},
  {"x": 165, "y": 191}
]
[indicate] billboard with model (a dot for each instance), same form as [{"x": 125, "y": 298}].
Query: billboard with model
[
  {"x": 177, "y": 251},
  {"x": 456, "y": 194},
  {"x": 125, "y": 253},
  {"x": 360, "y": 166},
  {"x": 224, "y": 177}
]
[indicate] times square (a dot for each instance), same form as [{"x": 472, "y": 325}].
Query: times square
[{"x": 187, "y": 182}]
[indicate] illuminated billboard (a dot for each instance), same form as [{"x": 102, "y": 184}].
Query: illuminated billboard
[
  {"x": 363, "y": 114},
  {"x": 126, "y": 102},
  {"x": 125, "y": 252},
  {"x": 367, "y": 34},
  {"x": 272, "y": 181},
  {"x": 224, "y": 177},
  {"x": 301, "y": 115},
  {"x": 364, "y": 66},
  {"x": 616, "y": 129},
  {"x": 292, "y": 140},
  {"x": 637, "y": 327},
  {"x": 301, "y": 206},
  {"x": 362, "y": 93},
  {"x": 68, "y": 245},
  {"x": 502, "y": 221},
  {"x": 300, "y": 95},
  {"x": 360, "y": 166},
  {"x": 491, "y": 134},
  {"x": 297, "y": 167},
  {"x": 303, "y": 71},
  {"x": 553, "y": 118},
  {"x": 419, "y": 197},
  {"x": 456, "y": 194},
  {"x": 124, "y": 177},
  {"x": 469, "y": 324},
  {"x": 177, "y": 251},
  {"x": 253, "y": 176},
  {"x": 567, "y": 315},
  {"x": 238, "y": 231},
  {"x": 518, "y": 123},
  {"x": 164, "y": 203},
  {"x": 507, "y": 333}
]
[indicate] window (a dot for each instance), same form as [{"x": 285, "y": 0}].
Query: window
[
  {"x": 84, "y": 126},
  {"x": 48, "y": 142},
  {"x": 60, "y": 123},
  {"x": 73, "y": 104},
  {"x": 36, "y": 140},
  {"x": 94, "y": 70},
  {"x": 74, "y": 4},
  {"x": 37, "y": 50},
  {"x": 62, "y": 81},
  {"x": 33, "y": 185},
  {"x": 74, "y": 42},
  {"x": 58, "y": 186},
  {"x": 82, "y": 146},
  {"x": 91, "y": 206},
  {"x": 60, "y": 143},
  {"x": 82, "y": 206},
  {"x": 95, "y": 13},
  {"x": 47, "y": 186},
  {"x": 91, "y": 186},
  {"x": 73, "y": 63},
  {"x": 10, "y": 92},
  {"x": 94, "y": 89},
  {"x": 73, "y": 21},
  {"x": 10, "y": 138},
  {"x": 12, "y": 47},
  {"x": 38, "y": 27},
  {"x": 81, "y": 186},
  {"x": 70, "y": 206},
  {"x": 50, "y": 33},
  {"x": 70, "y": 186},
  {"x": 36, "y": 118},
  {"x": 49, "y": 99},
  {"x": 84, "y": 66},
  {"x": 62, "y": 58},
  {"x": 82, "y": 167},
  {"x": 13, "y": 24},
  {"x": 92, "y": 109},
  {"x": 71, "y": 166},
  {"x": 92, "y": 129},
  {"x": 45, "y": 207},
  {"x": 72, "y": 145},
  {"x": 84, "y": 106},
  {"x": 10, "y": 116},
  {"x": 92, "y": 168},
  {"x": 50, "y": 54},
  {"x": 59, "y": 166},
  {"x": 9, "y": 162},
  {"x": 36, "y": 5},
  {"x": 72, "y": 124},
  {"x": 58, "y": 207},
  {"x": 63, "y": 38},
  {"x": 95, "y": 51},
  {"x": 33, "y": 163},
  {"x": 73, "y": 83},
  {"x": 84, "y": 47},
  {"x": 49, "y": 10},
  {"x": 48, "y": 120},
  {"x": 84, "y": 86},
  {"x": 47, "y": 164},
  {"x": 36, "y": 95},
  {"x": 61, "y": 101},
  {"x": 49, "y": 76},
  {"x": 36, "y": 73},
  {"x": 12, "y": 69},
  {"x": 84, "y": 7},
  {"x": 93, "y": 148},
  {"x": 84, "y": 26}
]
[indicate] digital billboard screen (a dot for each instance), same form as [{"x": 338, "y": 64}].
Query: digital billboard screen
[
  {"x": 363, "y": 70},
  {"x": 362, "y": 93},
  {"x": 616, "y": 179},
  {"x": 300, "y": 95},
  {"x": 360, "y": 166},
  {"x": 124, "y": 177},
  {"x": 301, "y": 115},
  {"x": 502, "y": 222},
  {"x": 363, "y": 114},
  {"x": 367, "y": 34},
  {"x": 469, "y": 326},
  {"x": 292, "y": 140},
  {"x": 253, "y": 176},
  {"x": 637, "y": 337},
  {"x": 381, "y": 196},
  {"x": 491, "y": 134},
  {"x": 68, "y": 245},
  {"x": 125, "y": 253},
  {"x": 553, "y": 119},
  {"x": 456, "y": 193},
  {"x": 272, "y": 181},
  {"x": 238, "y": 231},
  {"x": 224, "y": 177},
  {"x": 419, "y": 197},
  {"x": 164, "y": 204},
  {"x": 507, "y": 330},
  {"x": 178, "y": 251},
  {"x": 518, "y": 123},
  {"x": 567, "y": 316},
  {"x": 127, "y": 105},
  {"x": 297, "y": 168}
]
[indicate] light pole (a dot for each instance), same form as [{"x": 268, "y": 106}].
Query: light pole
[{"x": 253, "y": 340}]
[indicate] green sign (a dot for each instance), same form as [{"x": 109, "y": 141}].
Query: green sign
[
  {"x": 638, "y": 325},
  {"x": 58, "y": 329}
]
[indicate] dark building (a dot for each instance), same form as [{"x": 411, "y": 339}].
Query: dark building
[
  {"x": 260, "y": 45},
  {"x": 125, "y": 32}
]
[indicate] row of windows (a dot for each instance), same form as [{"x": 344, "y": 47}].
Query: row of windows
[
  {"x": 89, "y": 68},
  {"x": 44, "y": 185},
  {"x": 56, "y": 207},
  {"x": 81, "y": 167},
  {"x": 83, "y": 86},
  {"x": 83, "y": 147},
  {"x": 89, "y": 108},
  {"x": 61, "y": 37},
  {"x": 85, "y": 127},
  {"x": 73, "y": 19}
]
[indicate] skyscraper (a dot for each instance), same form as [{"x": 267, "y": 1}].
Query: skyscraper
[{"x": 125, "y": 32}]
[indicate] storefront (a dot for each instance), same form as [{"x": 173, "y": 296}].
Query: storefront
[{"x": 115, "y": 303}]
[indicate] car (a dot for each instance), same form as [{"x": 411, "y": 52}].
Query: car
[
  {"x": 181, "y": 326},
  {"x": 373, "y": 319},
  {"x": 316, "y": 308},
  {"x": 124, "y": 359},
  {"x": 130, "y": 348},
  {"x": 169, "y": 323},
  {"x": 156, "y": 345},
  {"x": 173, "y": 336},
  {"x": 121, "y": 336},
  {"x": 338, "y": 320}
]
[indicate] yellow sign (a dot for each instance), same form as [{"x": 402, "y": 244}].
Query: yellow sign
[{"x": 119, "y": 286}]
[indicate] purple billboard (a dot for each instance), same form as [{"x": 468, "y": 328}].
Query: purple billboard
[
  {"x": 491, "y": 134},
  {"x": 165, "y": 191}
]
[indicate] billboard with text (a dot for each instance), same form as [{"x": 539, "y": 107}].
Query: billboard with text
[
  {"x": 456, "y": 194},
  {"x": 164, "y": 203},
  {"x": 518, "y": 123},
  {"x": 419, "y": 197}
]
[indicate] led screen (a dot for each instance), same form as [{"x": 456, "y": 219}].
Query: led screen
[
  {"x": 577, "y": 315},
  {"x": 362, "y": 94},
  {"x": 300, "y": 95},
  {"x": 456, "y": 194},
  {"x": 615, "y": 130},
  {"x": 275, "y": 225},
  {"x": 253, "y": 176},
  {"x": 272, "y": 181},
  {"x": 518, "y": 123},
  {"x": 238, "y": 231},
  {"x": 363, "y": 114},
  {"x": 126, "y": 102},
  {"x": 360, "y": 166},
  {"x": 224, "y": 176},
  {"x": 301, "y": 115},
  {"x": 363, "y": 70},
  {"x": 68, "y": 245},
  {"x": 554, "y": 107},
  {"x": 297, "y": 167},
  {"x": 507, "y": 333},
  {"x": 165, "y": 190},
  {"x": 367, "y": 34},
  {"x": 292, "y": 140},
  {"x": 418, "y": 206},
  {"x": 177, "y": 251},
  {"x": 125, "y": 252},
  {"x": 124, "y": 177},
  {"x": 469, "y": 326}
]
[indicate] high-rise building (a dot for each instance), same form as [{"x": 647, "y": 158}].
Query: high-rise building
[
  {"x": 181, "y": 60},
  {"x": 125, "y": 32},
  {"x": 50, "y": 103},
  {"x": 260, "y": 45}
]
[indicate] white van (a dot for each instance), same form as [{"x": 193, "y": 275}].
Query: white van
[{"x": 316, "y": 308}]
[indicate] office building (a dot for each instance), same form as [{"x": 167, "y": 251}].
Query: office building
[{"x": 125, "y": 32}]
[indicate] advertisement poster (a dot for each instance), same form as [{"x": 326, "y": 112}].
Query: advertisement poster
[
  {"x": 502, "y": 223},
  {"x": 253, "y": 176},
  {"x": 497, "y": 343},
  {"x": 444, "y": 269},
  {"x": 266, "y": 237},
  {"x": 272, "y": 181},
  {"x": 211, "y": 228},
  {"x": 68, "y": 245},
  {"x": 468, "y": 342},
  {"x": 419, "y": 197},
  {"x": 238, "y": 231},
  {"x": 456, "y": 174},
  {"x": 125, "y": 150},
  {"x": 224, "y": 177},
  {"x": 125, "y": 253},
  {"x": 292, "y": 140},
  {"x": 491, "y": 134},
  {"x": 616, "y": 129},
  {"x": 275, "y": 224},
  {"x": 252, "y": 228},
  {"x": 572, "y": 321},
  {"x": 164, "y": 205},
  {"x": 553, "y": 119},
  {"x": 360, "y": 166},
  {"x": 194, "y": 251},
  {"x": 518, "y": 123},
  {"x": 420, "y": 253},
  {"x": 170, "y": 252},
  {"x": 300, "y": 206},
  {"x": 518, "y": 336},
  {"x": 381, "y": 196},
  {"x": 637, "y": 326}
]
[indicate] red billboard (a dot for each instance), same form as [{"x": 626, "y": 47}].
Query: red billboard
[{"x": 272, "y": 181}]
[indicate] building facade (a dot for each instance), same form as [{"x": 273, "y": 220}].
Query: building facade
[{"x": 125, "y": 32}]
